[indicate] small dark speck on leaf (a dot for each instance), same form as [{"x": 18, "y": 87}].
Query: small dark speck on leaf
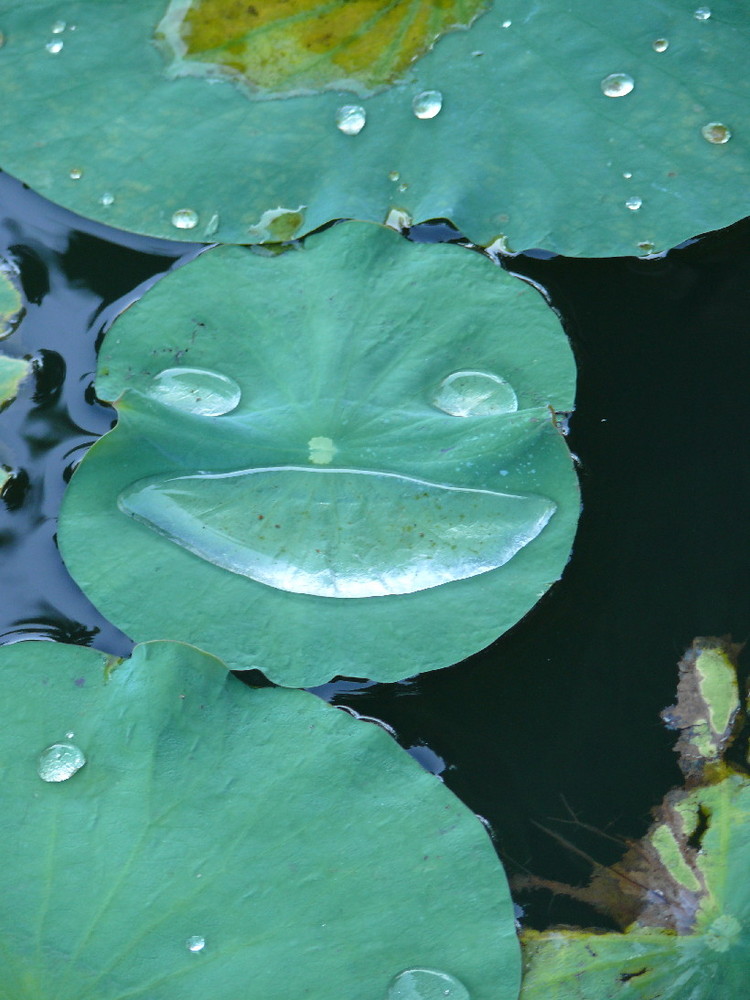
[
  {"x": 79, "y": 682},
  {"x": 625, "y": 977}
]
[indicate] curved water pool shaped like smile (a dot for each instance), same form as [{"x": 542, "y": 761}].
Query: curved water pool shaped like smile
[{"x": 338, "y": 532}]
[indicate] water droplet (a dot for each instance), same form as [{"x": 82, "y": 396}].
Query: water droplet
[
  {"x": 426, "y": 984},
  {"x": 76, "y": 174},
  {"x": 107, "y": 199},
  {"x": 507, "y": 24},
  {"x": 299, "y": 530},
  {"x": 58, "y": 27},
  {"x": 627, "y": 175},
  {"x": 476, "y": 53},
  {"x": 403, "y": 187},
  {"x": 702, "y": 13},
  {"x": 60, "y": 762},
  {"x": 55, "y": 46},
  {"x": 350, "y": 119},
  {"x": 716, "y": 133},
  {"x": 660, "y": 45},
  {"x": 617, "y": 85},
  {"x": 427, "y": 104},
  {"x": 475, "y": 394},
  {"x": 633, "y": 204},
  {"x": 394, "y": 176},
  {"x": 196, "y": 390},
  {"x": 195, "y": 943},
  {"x": 212, "y": 226},
  {"x": 646, "y": 247},
  {"x": 185, "y": 218},
  {"x": 69, "y": 736}
]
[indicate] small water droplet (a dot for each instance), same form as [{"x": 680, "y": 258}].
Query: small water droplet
[
  {"x": 403, "y": 187},
  {"x": 617, "y": 85},
  {"x": 660, "y": 45},
  {"x": 507, "y": 24},
  {"x": 633, "y": 204},
  {"x": 394, "y": 175},
  {"x": 475, "y": 394},
  {"x": 426, "y": 984},
  {"x": 702, "y": 13},
  {"x": 195, "y": 943},
  {"x": 107, "y": 199},
  {"x": 76, "y": 174},
  {"x": 427, "y": 104},
  {"x": 476, "y": 53},
  {"x": 60, "y": 762},
  {"x": 58, "y": 27},
  {"x": 55, "y": 46},
  {"x": 212, "y": 226},
  {"x": 350, "y": 119},
  {"x": 185, "y": 218},
  {"x": 716, "y": 133},
  {"x": 627, "y": 175},
  {"x": 196, "y": 390},
  {"x": 646, "y": 247},
  {"x": 69, "y": 736}
]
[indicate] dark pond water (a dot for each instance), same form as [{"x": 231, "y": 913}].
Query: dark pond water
[{"x": 556, "y": 724}]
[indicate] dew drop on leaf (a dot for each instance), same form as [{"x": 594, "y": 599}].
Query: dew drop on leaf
[
  {"x": 195, "y": 943},
  {"x": 475, "y": 394},
  {"x": 185, "y": 218},
  {"x": 351, "y": 119},
  {"x": 426, "y": 984},
  {"x": 196, "y": 390},
  {"x": 617, "y": 85},
  {"x": 60, "y": 762},
  {"x": 427, "y": 104},
  {"x": 716, "y": 133}
]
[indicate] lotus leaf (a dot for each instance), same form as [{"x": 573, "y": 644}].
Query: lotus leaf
[
  {"x": 340, "y": 460},
  {"x": 11, "y": 304},
  {"x": 12, "y": 372},
  {"x": 587, "y": 129},
  {"x": 185, "y": 836}
]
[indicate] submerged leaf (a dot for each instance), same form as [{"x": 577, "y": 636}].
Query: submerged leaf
[
  {"x": 356, "y": 471},
  {"x": 12, "y": 372},
  {"x": 558, "y": 125},
  {"x": 185, "y": 836},
  {"x": 682, "y": 891}
]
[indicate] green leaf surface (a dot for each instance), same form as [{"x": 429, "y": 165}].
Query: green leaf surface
[
  {"x": 336, "y": 461},
  {"x": 12, "y": 373},
  {"x": 196, "y": 838},
  {"x": 647, "y": 962},
  {"x": 516, "y": 135},
  {"x": 11, "y": 304}
]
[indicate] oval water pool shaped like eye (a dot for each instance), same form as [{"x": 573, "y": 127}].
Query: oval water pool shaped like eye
[
  {"x": 475, "y": 394},
  {"x": 196, "y": 390},
  {"x": 338, "y": 532}
]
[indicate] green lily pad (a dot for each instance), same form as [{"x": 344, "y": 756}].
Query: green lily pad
[
  {"x": 506, "y": 127},
  {"x": 12, "y": 373},
  {"x": 336, "y": 461},
  {"x": 185, "y": 836}
]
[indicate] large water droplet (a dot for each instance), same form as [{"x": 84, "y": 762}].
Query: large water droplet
[
  {"x": 196, "y": 390},
  {"x": 633, "y": 204},
  {"x": 702, "y": 13},
  {"x": 338, "y": 532},
  {"x": 716, "y": 133},
  {"x": 60, "y": 762},
  {"x": 350, "y": 119},
  {"x": 185, "y": 218},
  {"x": 475, "y": 394},
  {"x": 617, "y": 85},
  {"x": 195, "y": 943},
  {"x": 427, "y": 104},
  {"x": 55, "y": 46},
  {"x": 660, "y": 45},
  {"x": 426, "y": 984}
]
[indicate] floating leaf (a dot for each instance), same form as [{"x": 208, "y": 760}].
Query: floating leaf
[
  {"x": 380, "y": 489},
  {"x": 280, "y": 47},
  {"x": 12, "y": 372},
  {"x": 586, "y": 128},
  {"x": 185, "y": 836},
  {"x": 11, "y": 304},
  {"x": 682, "y": 892}
]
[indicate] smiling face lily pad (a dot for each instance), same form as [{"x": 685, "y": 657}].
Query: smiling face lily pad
[
  {"x": 185, "y": 836},
  {"x": 587, "y": 128},
  {"x": 340, "y": 460}
]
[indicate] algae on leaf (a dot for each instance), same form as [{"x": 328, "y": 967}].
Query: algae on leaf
[
  {"x": 585, "y": 128},
  {"x": 681, "y": 893},
  {"x": 340, "y": 460},
  {"x": 185, "y": 836}
]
